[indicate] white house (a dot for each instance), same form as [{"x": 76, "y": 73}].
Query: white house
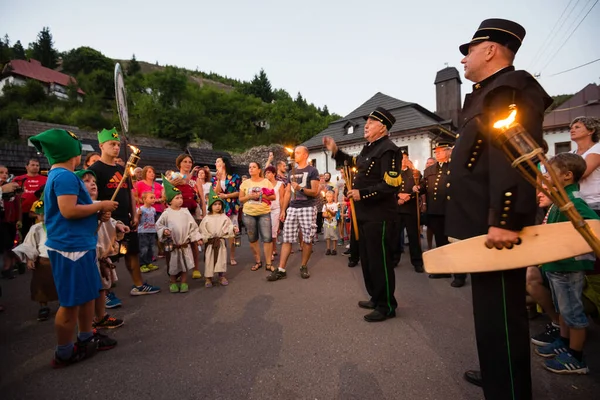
[{"x": 17, "y": 72}]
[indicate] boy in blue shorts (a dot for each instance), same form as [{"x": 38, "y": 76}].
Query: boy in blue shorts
[
  {"x": 71, "y": 221},
  {"x": 567, "y": 278}
]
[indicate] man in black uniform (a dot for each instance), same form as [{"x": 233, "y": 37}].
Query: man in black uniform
[
  {"x": 488, "y": 196},
  {"x": 408, "y": 214},
  {"x": 436, "y": 187},
  {"x": 374, "y": 192}
]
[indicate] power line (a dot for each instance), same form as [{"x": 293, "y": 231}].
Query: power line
[
  {"x": 574, "y": 68},
  {"x": 552, "y": 31},
  {"x": 569, "y": 37}
]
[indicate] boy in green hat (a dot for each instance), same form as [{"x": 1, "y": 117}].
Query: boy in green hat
[
  {"x": 108, "y": 176},
  {"x": 178, "y": 225},
  {"x": 71, "y": 220}
]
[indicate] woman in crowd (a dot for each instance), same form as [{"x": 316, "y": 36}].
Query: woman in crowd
[
  {"x": 227, "y": 184},
  {"x": 204, "y": 181},
  {"x": 257, "y": 194},
  {"x": 186, "y": 182},
  {"x": 147, "y": 183},
  {"x": 10, "y": 212},
  {"x": 584, "y": 132},
  {"x": 90, "y": 158},
  {"x": 270, "y": 175}
]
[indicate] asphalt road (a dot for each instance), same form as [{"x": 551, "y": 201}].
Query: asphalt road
[{"x": 291, "y": 339}]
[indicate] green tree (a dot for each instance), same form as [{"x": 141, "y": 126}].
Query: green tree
[
  {"x": 85, "y": 60},
  {"x": 43, "y": 49},
  {"x": 18, "y": 52},
  {"x": 5, "y": 51},
  {"x": 133, "y": 67},
  {"x": 260, "y": 87}
]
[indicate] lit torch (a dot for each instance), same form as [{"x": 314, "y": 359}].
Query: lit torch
[
  {"x": 293, "y": 173},
  {"x": 523, "y": 153}
]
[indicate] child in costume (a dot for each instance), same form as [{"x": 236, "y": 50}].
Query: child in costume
[
  {"x": 109, "y": 232},
  {"x": 214, "y": 229},
  {"x": 34, "y": 252},
  {"x": 71, "y": 220},
  {"x": 330, "y": 212},
  {"x": 177, "y": 226}
]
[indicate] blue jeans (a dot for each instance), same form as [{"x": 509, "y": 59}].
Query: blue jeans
[
  {"x": 146, "y": 247},
  {"x": 567, "y": 293},
  {"x": 258, "y": 224}
]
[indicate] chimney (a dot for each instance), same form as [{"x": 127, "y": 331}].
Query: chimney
[{"x": 447, "y": 94}]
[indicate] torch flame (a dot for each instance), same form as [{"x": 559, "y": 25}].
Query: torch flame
[
  {"x": 506, "y": 123},
  {"x": 289, "y": 150},
  {"x": 134, "y": 149},
  {"x": 323, "y": 193},
  {"x": 131, "y": 171}
]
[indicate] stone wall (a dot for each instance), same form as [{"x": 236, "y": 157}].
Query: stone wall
[{"x": 260, "y": 154}]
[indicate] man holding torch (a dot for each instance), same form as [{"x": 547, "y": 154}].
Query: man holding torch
[
  {"x": 109, "y": 175},
  {"x": 376, "y": 183},
  {"x": 487, "y": 196}
]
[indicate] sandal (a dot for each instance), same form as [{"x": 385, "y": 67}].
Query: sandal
[
  {"x": 256, "y": 266},
  {"x": 269, "y": 267},
  {"x": 232, "y": 262}
]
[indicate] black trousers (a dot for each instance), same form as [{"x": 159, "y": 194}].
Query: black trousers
[
  {"x": 376, "y": 243},
  {"x": 437, "y": 224},
  {"x": 354, "y": 248},
  {"x": 502, "y": 332},
  {"x": 410, "y": 222}
]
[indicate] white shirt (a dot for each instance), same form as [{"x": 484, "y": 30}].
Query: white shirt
[{"x": 589, "y": 188}]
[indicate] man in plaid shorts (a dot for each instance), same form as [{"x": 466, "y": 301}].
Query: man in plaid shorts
[{"x": 298, "y": 211}]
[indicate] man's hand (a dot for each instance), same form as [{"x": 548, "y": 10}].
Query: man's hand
[
  {"x": 355, "y": 194},
  {"x": 167, "y": 232},
  {"x": 329, "y": 143},
  {"x": 105, "y": 216},
  {"x": 404, "y": 197},
  {"x": 295, "y": 186},
  {"x": 10, "y": 187},
  {"x": 282, "y": 216},
  {"x": 30, "y": 265},
  {"x": 123, "y": 228},
  {"x": 108, "y": 206},
  {"x": 501, "y": 238},
  {"x": 416, "y": 188}
]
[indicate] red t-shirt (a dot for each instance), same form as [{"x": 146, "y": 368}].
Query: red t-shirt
[{"x": 30, "y": 185}]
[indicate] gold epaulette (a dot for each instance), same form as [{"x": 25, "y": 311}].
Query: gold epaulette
[{"x": 392, "y": 178}]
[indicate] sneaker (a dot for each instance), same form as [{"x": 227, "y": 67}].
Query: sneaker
[
  {"x": 347, "y": 252},
  {"x": 43, "y": 314},
  {"x": 565, "y": 363},
  {"x": 81, "y": 351},
  {"x": 173, "y": 288},
  {"x": 328, "y": 252},
  {"x": 304, "y": 272},
  {"x": 104, "y": 342},
  {"x": 112, "y": 301},
  {"x": 144, "y": 289},
  {"x": 334, "y": 252},
  {"x": 144, "y": 268},
  {"x": 184, "y": 288},
  {"x": 552, "y": 350},
  {"x": 108, "y": 322},
  {"x": 276, "y": 275},
  {"x": 340, "y": 242},
  {"x": 223, "y": 281},
  {"x": 550, "y": 334},
  {"x": 152, "y": 267},
  {"x": 196, "y": 275}
]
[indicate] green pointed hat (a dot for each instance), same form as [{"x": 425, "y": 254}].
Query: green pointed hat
[
  {"x": 212, "y": 198},
  {"x": 82, "y": 172},
  {"x": 108, "y": 134},
  {"x": 58, "y": 145},
  {"x": 170, "y": 190}
]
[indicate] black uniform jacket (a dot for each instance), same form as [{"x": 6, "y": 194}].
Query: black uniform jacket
[
  {"x": 484, "y": 189},
  {"x": 436, "y": 181},
  {"x": 377, "y": 178},
  {"x": 408, "y": 182}
]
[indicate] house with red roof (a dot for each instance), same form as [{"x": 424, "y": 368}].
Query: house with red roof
[
  {"x": 17, "y": 72},
  {"x": 585, "y": 103}
]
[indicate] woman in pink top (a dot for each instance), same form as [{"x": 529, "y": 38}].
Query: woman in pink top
[{"x": 147, "y": 184}]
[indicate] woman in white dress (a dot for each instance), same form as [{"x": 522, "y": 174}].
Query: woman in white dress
[
  {"x": 584, "y": 132},
  {"x": 270, "y": 174}
]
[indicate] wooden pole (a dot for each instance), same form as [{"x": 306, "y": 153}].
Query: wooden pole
[{"x": 352, "y": 209}]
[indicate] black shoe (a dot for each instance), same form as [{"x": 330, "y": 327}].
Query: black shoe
[
  {"x": 419, "y": 269},
  {"x": 304, "y": 272},
  {"x": 334, "y": 252},
  {"x": 474, "y": 377},
  {"x": 439, "y": 276},
  {"x": 458, "y": 282},
  {"x": 369, "y": 305},
  {"x": 81, "y": 351},
  {"x": 347, "y": 252},
  {"x": 550, "y": 334},
  {"x": 43, "y": 314},
  {"x": 328, "y": 252},
  {"x": 104, "y": 342},
  {"x": 8, "y": 273},
  {"x": 377, "y": 316},
  {"x": 276, "y": 275},
  {"x": 352, "y": 264}
]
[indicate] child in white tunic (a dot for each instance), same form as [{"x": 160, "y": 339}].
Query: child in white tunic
[
  {"x": 176, "y": 225},
  {"x": 214, "y": 229}
]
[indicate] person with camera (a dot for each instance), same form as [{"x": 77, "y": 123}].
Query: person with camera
[{"x": 10, "y": 213}]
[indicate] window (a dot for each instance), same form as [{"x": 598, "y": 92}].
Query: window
[
  {"x": 350, "y": 130},
  {"x": 562, "y": 147}
]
